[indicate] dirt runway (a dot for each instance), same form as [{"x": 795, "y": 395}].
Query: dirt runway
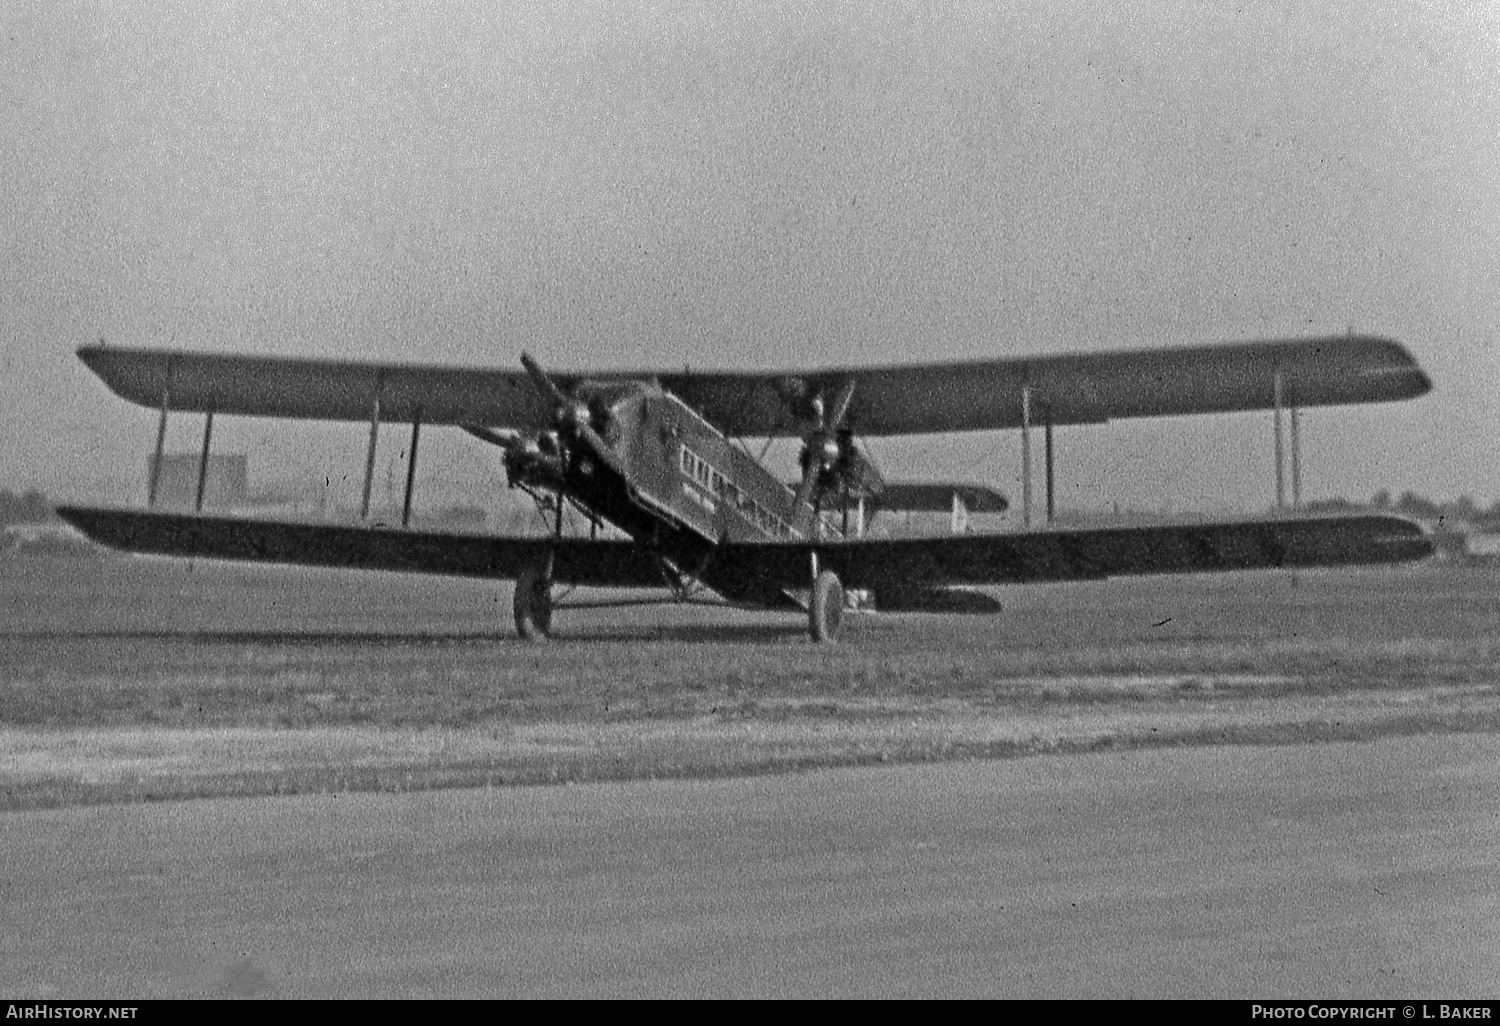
[{"x": 126, "y": 680}]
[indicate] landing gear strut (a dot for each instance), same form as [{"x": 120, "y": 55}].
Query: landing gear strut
[
  {"x": 533, "y": 600},
  {"x": 825, "y": 612}
]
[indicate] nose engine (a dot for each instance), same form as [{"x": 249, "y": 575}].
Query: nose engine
[{"x": 584, "y": 435}]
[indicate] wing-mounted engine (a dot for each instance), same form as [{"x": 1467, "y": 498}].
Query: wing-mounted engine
[
  {"x": 841, "y": 469},
  {"x": 835, "y": 471}
]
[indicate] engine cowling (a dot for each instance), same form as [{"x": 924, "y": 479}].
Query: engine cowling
[{"x": 839, "y": 466}]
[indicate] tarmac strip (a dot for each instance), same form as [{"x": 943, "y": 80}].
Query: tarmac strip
[
  {"x": 45, "y": 768},
  {"x": 1327, "y": 872}
]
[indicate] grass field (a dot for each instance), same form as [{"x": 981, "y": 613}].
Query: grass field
[{"x": 139, "y": 678}]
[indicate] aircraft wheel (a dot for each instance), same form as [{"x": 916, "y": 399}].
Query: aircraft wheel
[
  {"x": 533, "y": 601},
  {"x": 825, "y": 613}
]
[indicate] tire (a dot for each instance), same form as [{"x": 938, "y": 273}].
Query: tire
[
  {"x": 825, "y": 613},
  {"x": 533, "y": 601}
]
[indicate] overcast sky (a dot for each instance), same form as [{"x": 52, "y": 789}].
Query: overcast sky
[{"x": 753, "y": 185}]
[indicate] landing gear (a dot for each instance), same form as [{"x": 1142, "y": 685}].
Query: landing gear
[
  {"x": 825, "y": 613},
  {"x": 533, "y": 600}
]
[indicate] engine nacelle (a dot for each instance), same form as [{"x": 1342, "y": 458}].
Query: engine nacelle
[
  {"x": 840, "y": 466},
  {"x": 539, "y": 462}
]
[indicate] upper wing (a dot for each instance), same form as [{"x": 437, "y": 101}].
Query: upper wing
[
  {"x": 912, "y": 399},
  {"x": 1082, "y": 388},
  {"x": 268, "y": 386},
  {"x": 904, "y": 566}
]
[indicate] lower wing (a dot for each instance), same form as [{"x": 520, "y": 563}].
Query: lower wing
[
  {"x": 902, "y": 567},
  {"x": 575, "y": 561},
  {"x": 895, "y": 569}
]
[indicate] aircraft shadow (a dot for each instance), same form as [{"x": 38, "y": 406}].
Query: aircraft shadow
[
  {"x": 264, "y": 637},
  {"x": 734, "y": 634},
  {"x": 700, "y": 634}
]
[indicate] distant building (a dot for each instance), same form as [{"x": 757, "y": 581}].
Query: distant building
[
  {"x": 458, "y": 518},
  {"x": 48, "y": 539},
  {"x": 1484, "y": 546},
  {"x": 226, "y": 485}
]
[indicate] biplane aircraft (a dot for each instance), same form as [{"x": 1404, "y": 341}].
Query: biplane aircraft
[{"x": 654, "y": 455}]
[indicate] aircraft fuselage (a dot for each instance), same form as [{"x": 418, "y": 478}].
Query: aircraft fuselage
[{"x": 678, "y": 485}]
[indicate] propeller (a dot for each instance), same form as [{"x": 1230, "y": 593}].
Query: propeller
[
  {"x": 507, "y": 440},
  {"x": 574, "y": 417},
  {"x": 827, "y": 445}
]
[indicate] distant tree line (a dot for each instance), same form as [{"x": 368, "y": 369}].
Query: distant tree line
[
  {"x": 1417, "y": 507},
  {"x": 30, "y": 508}
]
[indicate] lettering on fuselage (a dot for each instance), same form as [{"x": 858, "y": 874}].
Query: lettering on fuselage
[{"x": 707, "y": 486}]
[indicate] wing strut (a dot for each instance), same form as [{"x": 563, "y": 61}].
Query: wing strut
[
  {"x": 1276, "y": 427},
  {"x": 411, "y": 465},
  {"x": 1049, "y": 461},
  {"x": 208, "y": 434},
  {"x": 161, "y": 436},
  {"x": 1051, "y": 497},
  {"x": 364, "y": 501},
  {"x": 1026, "y": 457},
  {"x": 1296, "y": 462},
  {"x": 1279, "y": 402}
]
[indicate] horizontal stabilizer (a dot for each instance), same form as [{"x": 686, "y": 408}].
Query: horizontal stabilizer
[
  {"x": 937, "y": 600},
  {"x": 938, "y": 496}
]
